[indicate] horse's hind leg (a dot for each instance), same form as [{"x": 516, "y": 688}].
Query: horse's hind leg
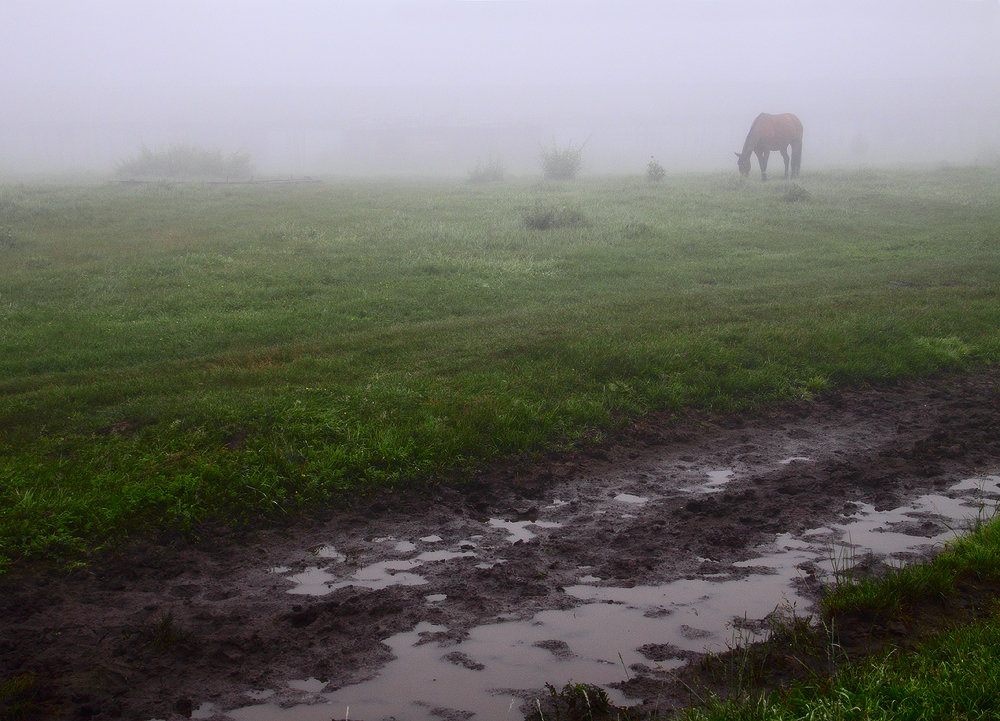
[
  {"x": 784, "y": 156},
  {"x": 796, "y": 158}
]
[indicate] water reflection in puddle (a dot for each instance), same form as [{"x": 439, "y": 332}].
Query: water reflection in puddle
[
  {"x": 598, "y": 639},
  {"x": 318, "y": 581},
  {"x": 716, "y": 481},
  {"x": 328, "y": 552},
  {"x": 629, "y": 498},
  {"x": 518, "y": 530}
]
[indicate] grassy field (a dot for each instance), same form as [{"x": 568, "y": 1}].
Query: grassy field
[{"x": 170, "y": 354}]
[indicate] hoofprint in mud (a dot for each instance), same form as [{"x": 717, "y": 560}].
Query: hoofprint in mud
[{"x": 619, "y": 563}]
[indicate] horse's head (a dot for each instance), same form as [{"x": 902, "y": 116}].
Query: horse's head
[{"x": 743, "y": 163}]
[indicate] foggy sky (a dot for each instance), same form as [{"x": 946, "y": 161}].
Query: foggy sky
[{"x": 429, "y": 86}]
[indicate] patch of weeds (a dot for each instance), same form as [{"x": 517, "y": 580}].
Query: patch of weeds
[
  {"x": 18, "y": 697},
  {"x": 796, "y": 194},
  {"x": 166, "y": 634},
  {"x": 548, "y": 218},
  {"x": 809, "y": 388},
  {"x": 575, "y": 702},
  {"x": 791, "y": 646}
]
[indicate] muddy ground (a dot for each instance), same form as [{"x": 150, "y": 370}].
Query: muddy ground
[{"x": 161, "y": 628}]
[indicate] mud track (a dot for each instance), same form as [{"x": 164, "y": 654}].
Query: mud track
[{"x": 159, "y": 629}]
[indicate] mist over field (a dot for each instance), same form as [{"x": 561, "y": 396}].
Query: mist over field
[{"x": 425, "y": 87}]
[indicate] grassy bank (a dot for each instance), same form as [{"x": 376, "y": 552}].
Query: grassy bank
[
  {"x": 953, "y": 673},
  {"x": 173, "y": 353}
]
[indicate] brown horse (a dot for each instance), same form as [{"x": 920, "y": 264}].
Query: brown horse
[{"x": 772, "y": 132}]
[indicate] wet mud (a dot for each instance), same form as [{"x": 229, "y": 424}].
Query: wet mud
[{"x": 613, "y": 566}]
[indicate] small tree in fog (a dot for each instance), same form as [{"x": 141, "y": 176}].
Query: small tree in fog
[
  {"x": 186, "y": 162},
  {"x": 654, "y": 171},
  {"x": 562, "y": 163}
]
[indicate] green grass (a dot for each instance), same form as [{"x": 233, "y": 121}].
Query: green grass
[
  {"x": 173, "y": 354},
  {"x": 972, "y": 557},
  {"x": 954, "y": 674}
]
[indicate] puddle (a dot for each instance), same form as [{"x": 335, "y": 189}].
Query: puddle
[
  {"x": 311, "y": 582},
  {"x": 518, "y": 530},
  {"x": 599, "y": 640},
  {"x": 382, "y": 575},
  {"x": 328, "y": 552},
  {"x": 629, "y": 498},
  {"x": 716, "y": 481},
  {"x": 309, "y": 685}
]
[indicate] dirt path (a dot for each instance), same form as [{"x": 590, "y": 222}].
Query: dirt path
[{"x": 162, "y": 630}]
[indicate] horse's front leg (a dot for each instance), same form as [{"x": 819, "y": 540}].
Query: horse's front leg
[
  {"x": 784, "y": 156},
  {"x": 762, "y": 157}
]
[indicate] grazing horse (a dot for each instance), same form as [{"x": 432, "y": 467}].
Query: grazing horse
[{"x": 772, "y": 132}]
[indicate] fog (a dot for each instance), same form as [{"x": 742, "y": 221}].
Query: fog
[{"x": 426, "y": 87}]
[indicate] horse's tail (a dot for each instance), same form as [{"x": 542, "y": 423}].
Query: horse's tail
[
  {"x": 797, "y": 148},
  {"x": 796, "y": 157}
]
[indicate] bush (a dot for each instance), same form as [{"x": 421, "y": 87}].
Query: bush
[
  {"x": 654, "y": 171},
  {"x": 491, "y": 171},
  {"x": 562, "y": 163},
  {"x": 186, "y": 162}
]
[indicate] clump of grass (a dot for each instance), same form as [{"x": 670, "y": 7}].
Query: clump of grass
[
  {"x": 185, "y": 162},
  {"x": 796, "y": 194},
  {"x": 654, "y": 171},
  {"x": 492, "y": 171},
  {"x": 166, "y": 633},
  {"x": 548, "y": 217},
  {"x": 574, "y": 702},
  {"x": 562, "y": 163},
  {"x": 758, "y": 648}
]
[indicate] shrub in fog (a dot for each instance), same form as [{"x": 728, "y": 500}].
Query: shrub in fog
[
  {"x": 562, "y": 163},
  {"x": 186, "y": 162},
  {"x": 492, "y": 171},
  {"x": 654, "y": 171}
]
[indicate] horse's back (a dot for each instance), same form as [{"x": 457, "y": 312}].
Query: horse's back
[{"x": 777, "y": 129}]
